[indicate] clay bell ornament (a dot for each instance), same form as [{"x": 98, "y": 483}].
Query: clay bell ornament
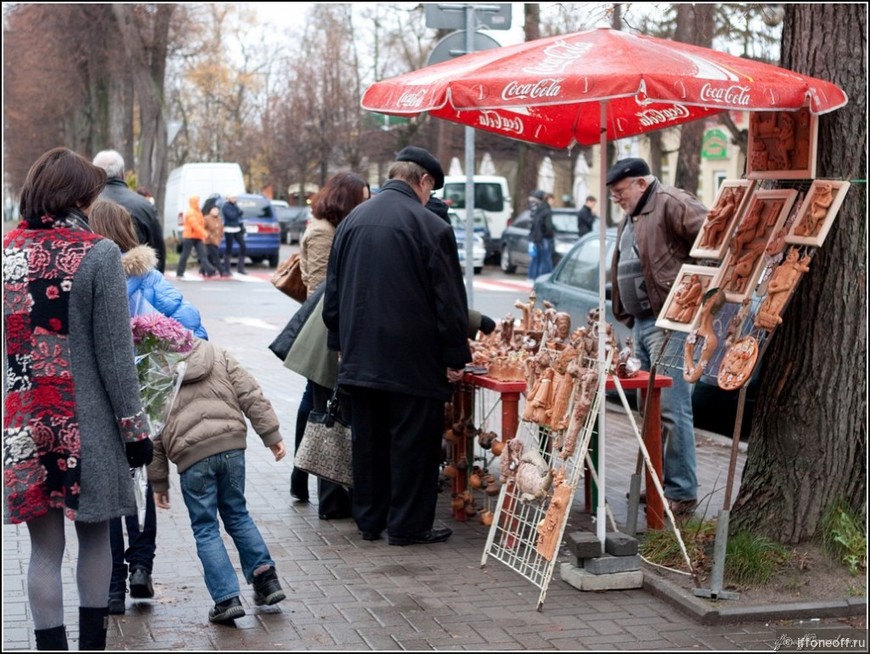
[
  {"x": 486, "y": 439},
  {"x": 497, "y": 446}
]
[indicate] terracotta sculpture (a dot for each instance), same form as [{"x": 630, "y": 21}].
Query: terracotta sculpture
[
  {"x": 719, "y": 216},
  {"x": 823, "y": 198},
  {"x": 533, "y": 476},
  {"x": 738, "y": 363},
  {"x": 748, "y": 228},
  {"x": 713, "y": 301},
  {"x": 527, "y": 308},
  {"x": 777, "y": 243},
  {"x": 686, "y": 300},
  {"x": 549, "y": 529},
  {"x": 627, "y": 365},
  {"x": 564, "y": 379},
  {"x": 744, "y": 265},
  {"x": 586, "y": 392},
  {"x": 560, "y": 332},
  {"x": 786, "y": 139},
  {"x": 510, "y": 460},
  {"x": 784, "y": 280},
  {"x": 539, "y": 395}
]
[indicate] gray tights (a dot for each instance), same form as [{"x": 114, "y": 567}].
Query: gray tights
[{"x": 93, "y": 569}]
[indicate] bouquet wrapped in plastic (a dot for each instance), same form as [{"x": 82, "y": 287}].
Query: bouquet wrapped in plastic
[{"x": 161, "y": 344}]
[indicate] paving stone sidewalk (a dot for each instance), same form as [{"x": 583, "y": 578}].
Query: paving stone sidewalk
[{"x": 346, "y": 594}]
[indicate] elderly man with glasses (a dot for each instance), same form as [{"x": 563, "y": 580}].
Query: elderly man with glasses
[{"x": 653, "y": 242}]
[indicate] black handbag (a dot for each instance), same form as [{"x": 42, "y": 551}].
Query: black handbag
[
  {"x": 284, "y": 341},
  {"x": 326, "y": 448}
]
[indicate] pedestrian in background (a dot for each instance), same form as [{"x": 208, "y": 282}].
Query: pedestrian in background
[
  {"x": 205, "y": 437},
  {"x": 214, "y": 228},
  {"x": 147, "y": 292},
  {"x": 309, "y": 355},
  {"x": 541, "y": 235},
  {"x": 193, "y": 238},
  {"x": 653, "y": 242},
  {"x": 73, "y": 423},
  {"x": 234, "y": 231},
  {"x": 143, "y": 211},
  {"x": 586, "y": 216},
  {"x": 400, "y": 351}
]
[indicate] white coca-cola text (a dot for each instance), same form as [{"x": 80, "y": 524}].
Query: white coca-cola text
[
  {"x": 737, "y": 96},
  {"x": 557, "y": 56},
  {"x": 650, "y": 117},
  {"x": 412, "y": 98},
  {"x": 493, "y": 120},
  {"x": 545, "y": 88}
]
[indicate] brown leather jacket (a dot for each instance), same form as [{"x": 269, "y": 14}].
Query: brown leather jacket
[{"x": 665, "y": 230}]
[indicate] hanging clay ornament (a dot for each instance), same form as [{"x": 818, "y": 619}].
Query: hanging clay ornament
[
  {"x": 738, "y": 363},
  {"x": 497, "y": 446},
  {"x": 713, "y": 301}
]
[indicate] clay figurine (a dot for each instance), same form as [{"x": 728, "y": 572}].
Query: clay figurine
[
  {"x": 549, "y": 531},
  {"x": 823, "y": 198},
  {"x": 784, "y": 280},
  {"x": 713, "y": 301},
  {"x": 719, "y": 216},
  {"x": 510, "y": 460},
  {"x": 533, "y": 476}
]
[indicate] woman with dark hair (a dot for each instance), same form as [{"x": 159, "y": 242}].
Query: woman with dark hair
[
  {"x": 73, "y": 424},
  {"x": 329, "y": 207}
]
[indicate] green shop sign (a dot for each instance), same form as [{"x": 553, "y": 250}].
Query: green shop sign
[{"x": 715, "y": 145}]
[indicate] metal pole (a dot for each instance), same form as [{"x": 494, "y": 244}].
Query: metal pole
[
  {"x": 601, "y": 515},
  {"x": 469, "y": 176}
]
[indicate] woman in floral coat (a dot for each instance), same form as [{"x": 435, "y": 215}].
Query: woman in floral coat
[{"x": 73, "y": 422}]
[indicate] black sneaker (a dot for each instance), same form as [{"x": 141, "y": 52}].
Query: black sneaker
[
  {"x": 267, "y": 588},
  {"x": 434, "y": 535},
  {"x": 226, "y": 611},
  {"x": 140, "y": 584}
]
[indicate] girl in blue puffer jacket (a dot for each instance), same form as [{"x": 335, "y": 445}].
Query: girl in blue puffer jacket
[{"x": 147, "y": 292}]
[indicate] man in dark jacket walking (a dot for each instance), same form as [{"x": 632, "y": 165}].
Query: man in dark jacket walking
[
  {"x": 148, "y": 228},
  {"x": 234, "y": 230},
  {"x": 402, "y": 350},
  {"x": 541, "y": 235},
  {"x": 586, "y": 216}
]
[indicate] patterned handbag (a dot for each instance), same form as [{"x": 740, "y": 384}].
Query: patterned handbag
[{"x": 325, "y": 450}]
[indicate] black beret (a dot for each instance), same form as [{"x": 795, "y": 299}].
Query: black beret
[
  {"x": 423, "y": 158},
  {"x": 632, "y": 167}
]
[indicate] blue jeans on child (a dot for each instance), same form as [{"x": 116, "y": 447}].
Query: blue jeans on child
[
  {"x": 217, "y": 485},
  {"x": 678, "y": 431}
]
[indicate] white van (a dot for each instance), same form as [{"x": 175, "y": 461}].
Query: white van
[
  {"x": 491, "y": 194},
  {"x": 202, "y": 179}
]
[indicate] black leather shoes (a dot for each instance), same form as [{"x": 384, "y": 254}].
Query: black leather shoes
[
  {"x": 370, "y": 535},
  {"x": 117, "y": 605},
  {"x": 437, "y": 535},
  {"x": 140, "y": 584}
]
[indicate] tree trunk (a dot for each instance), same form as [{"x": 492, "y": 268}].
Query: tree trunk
[
  {"x": 695, "y": 25},
  {"x": 808, "y": 444}
]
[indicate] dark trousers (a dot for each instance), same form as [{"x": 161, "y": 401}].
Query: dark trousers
[
  {"x": 396, "y": 456},
  {"x": 142, "y": 545},
  {"x": 214, "y": 258},
  {"x": 238, "y": 237},
  {"x": 187, "y": 245}
]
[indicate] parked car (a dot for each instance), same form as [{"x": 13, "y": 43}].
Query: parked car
[
  {"x": 262, "y": 231},
  {"x": 481, "y": 234},
  {"x": 292, "y": 219},
  {"x": 572, "y": 286},
  {"x": 515, "y": 238}
]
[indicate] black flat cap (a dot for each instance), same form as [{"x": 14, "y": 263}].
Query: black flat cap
[
  {"x": 425, "y": 159},
  {"x": 631, "y": 167}
]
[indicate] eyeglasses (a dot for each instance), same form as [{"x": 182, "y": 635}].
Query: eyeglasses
[{"x": 616, "y": 194}]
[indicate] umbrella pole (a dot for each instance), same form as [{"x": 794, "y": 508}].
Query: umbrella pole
[
  {"x": 469, "y": 177},
  {"x": 601, "y": 514}
]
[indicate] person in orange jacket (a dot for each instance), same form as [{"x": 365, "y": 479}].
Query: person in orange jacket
[{"x": 193, "y": 237}]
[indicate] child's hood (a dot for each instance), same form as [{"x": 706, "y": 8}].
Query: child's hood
[{"x": 200, "y": 361}]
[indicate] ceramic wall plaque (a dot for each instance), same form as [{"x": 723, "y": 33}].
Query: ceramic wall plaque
[
  {"x": 683, "y": 303},
  {"x": 782, "y": 145},
  {"x": 731, "y": 202},
  {"x": 817, "y": 212}
]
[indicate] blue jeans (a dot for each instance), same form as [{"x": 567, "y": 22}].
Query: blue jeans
[
  {"x": 542, "y": 262},
  {"x": 678, "y": 432},
  {"x": 217, "y": 485}
]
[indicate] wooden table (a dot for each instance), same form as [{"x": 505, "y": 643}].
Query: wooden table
[{"x": 510, "y": 396}]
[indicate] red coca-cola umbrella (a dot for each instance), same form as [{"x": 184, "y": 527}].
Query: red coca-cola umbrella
[
  {"x": 552, "y": 91},
  {"x": 591, "y": 87}
]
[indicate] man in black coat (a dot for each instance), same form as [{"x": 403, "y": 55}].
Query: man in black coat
[
  {"x": 144, "y": 213},
  {"x": 586, "y": 216},
  {"x": 396, "y": 309}
]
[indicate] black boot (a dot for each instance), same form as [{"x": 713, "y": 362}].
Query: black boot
[
  {"x": 51, "y": 639},
  {"x": 93, "y": 625}
]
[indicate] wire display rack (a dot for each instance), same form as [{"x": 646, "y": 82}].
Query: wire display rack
[{"x": 527, "y": 529}]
